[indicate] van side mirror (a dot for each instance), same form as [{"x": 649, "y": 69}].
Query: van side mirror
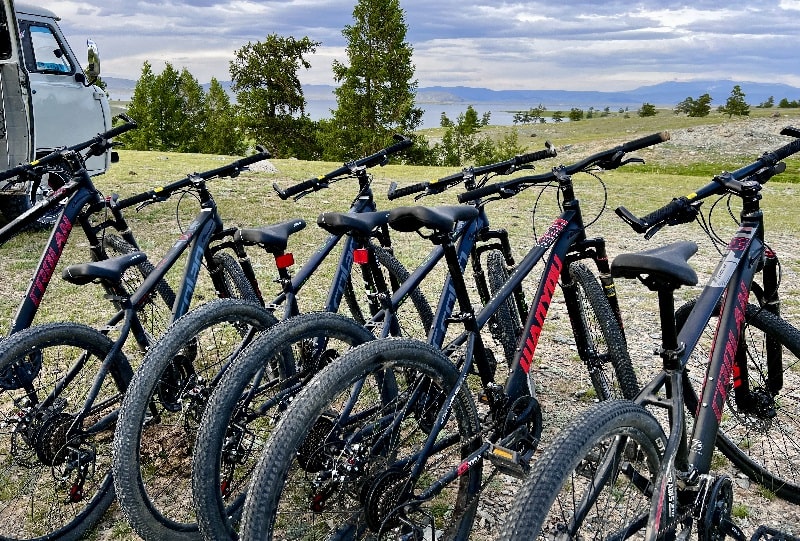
[{"x": 93, "y": 66}]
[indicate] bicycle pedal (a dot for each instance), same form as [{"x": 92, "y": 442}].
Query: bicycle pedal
[
  {"x": 771, "y": 534},
  {"x": 507, "y": 461}
]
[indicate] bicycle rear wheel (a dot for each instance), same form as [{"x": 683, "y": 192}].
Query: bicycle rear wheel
[
  {"x": 601, "y": 343},
  {"x": 158, "y": 419},
  {"x": 230, "y": 280},
  {"x": 245, "y": 406},
  {"x": 155, "y": 316},
  {"x": 414, "y": 323},
  {"x": 55, "y": 459},
  {"x": 338, "y": 463},
  {"x": 584, "y": 486},
  {"x": 763, "y": 440}
]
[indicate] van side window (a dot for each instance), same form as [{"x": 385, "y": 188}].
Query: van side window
[
  {"x": 42, "y": 51},
  {"x": 5, "y": 37}
]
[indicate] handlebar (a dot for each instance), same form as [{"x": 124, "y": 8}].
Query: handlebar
[
  {"x": 96, "y": 145},
  {"x": 607, "y": 159},
  {"x": 684, "y": 209},
  {"x": 231, "y": 170},
  {"x": 313, "y": 184},
  {"x": 504, "y": 167}
]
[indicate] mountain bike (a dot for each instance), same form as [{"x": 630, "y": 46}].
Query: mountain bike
[
  {"x": 61, "y": 383},
  {"x": 282, "y": 360},
  {"x": 153, "y": 432},
  {"x": 614, "y": 472},
  {"x": 387, "y": 440}
]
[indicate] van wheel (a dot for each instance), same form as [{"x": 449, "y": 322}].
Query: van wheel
[{"x": 13, "y": 205}]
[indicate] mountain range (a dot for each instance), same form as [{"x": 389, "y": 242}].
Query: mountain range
[{"x": 665, "y": 94}]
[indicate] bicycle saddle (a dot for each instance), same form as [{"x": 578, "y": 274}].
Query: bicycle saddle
[
  {"x": 341, "y": 223},
  {"x": 442, "y": 219},
  {"x": 108, "y": 269},
  {"x": 273, "y": 238},
  {"x": 665, "y": 264}
]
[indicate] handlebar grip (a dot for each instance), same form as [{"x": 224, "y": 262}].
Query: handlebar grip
[
  {"x": 262, "y": 154},
  {"x": 13, "y": 172},
  {"x": 641, "y": 225},
  {"x": 400, "y": 145},
  {"x": 646, "y": 141},
  {"x": 786, "y": 150},
  {"x": 549, "y": 152},
  {"x": 312, "y": 183},
  {"x": 397, "y": 193},
  {"x": 113, "y": 132},
  {"x": 478, "y": 193}
]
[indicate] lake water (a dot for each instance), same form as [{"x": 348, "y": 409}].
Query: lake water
[{"x": 501, "y": 114}]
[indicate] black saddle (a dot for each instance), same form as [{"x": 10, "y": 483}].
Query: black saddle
[
  {"x": 441, "y": 219},
  {"x": 273, "y": 238},
  {"x": 108, "y": 269},
  {"x": 342, "y": 223},
  {"x": 665, "y": 266}
]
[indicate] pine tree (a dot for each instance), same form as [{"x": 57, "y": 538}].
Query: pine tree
[
  {"x": 736, "y": 104},
  {"x": 375, "y": 97},
  {"x": 139, "y": 110},
  {"x": 221, "y": 134},
  {"x": 270, "y": 96}
]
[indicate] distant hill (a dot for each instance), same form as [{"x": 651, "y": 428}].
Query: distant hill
[{"x": 665, "y": 94}]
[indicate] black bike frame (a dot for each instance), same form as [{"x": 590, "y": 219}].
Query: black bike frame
[{"x": 730, "y": 284}]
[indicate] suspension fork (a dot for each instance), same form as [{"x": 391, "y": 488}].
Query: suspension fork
[{"x": 595, "y": 249}]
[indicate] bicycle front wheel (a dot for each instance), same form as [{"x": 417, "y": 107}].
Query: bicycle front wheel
[
  {"x": 600, "y": 340},
  {"x": 505, "y": 324},
  {"x": 245, "y": 406},
  {"x": 584, "y": 486},
  {"x": 230, "y": 281},
  {"x": 339, "y": 463},
  {"x": 158, "y": 420},
  {"x": 760, "y": 437},
  {"x": 55, "y": 446}
]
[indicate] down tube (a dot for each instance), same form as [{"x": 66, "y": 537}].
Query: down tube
[
  {"x": 722, "y": 366},
  {"x": 561, "y": 234}
]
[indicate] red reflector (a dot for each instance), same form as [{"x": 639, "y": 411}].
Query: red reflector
[
  {"x": 361, "y": 256},
  {"x": 284, "y": 261}
]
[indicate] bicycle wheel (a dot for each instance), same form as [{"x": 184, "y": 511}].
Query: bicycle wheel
[
  {"x": 158, "y": 418},
  {"x": 154, "y": 316},
  {"x": 395, "y": 274},
  {"x": 230, "y": 280},
  {"x": 244, "y": 407},
  {"x": 338, "y": 463},
  {"x": 582, "y": 487},
  {"x": 55, "y": 461},
  {"x": 762, "y": 442},
  {"x": 600, "y": 340},
  {"x": 505, "y": 325}
]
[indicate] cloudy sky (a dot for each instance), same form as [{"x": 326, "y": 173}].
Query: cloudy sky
[{"x": 570, "y": 45}]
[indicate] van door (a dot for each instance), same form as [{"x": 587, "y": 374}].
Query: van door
[
  {"x": 16, "y": 142},
  {"x": 65, "y": 110}
]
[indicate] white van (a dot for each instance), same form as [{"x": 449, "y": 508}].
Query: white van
[{"x": 48, "y": 101}]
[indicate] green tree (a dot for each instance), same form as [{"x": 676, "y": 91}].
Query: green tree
[
  {"x": 193, "y": 123},
  {"x": 167, "y": 110},
  {"x": 736, "y": 105},
  {"x": 139, "y": 110},
  {"x": 462, "y": 143},
  {"x": 575, "y": 114},
  {"x": 701, "y": 106},
  {"x": 768, "y": 104},
  {"x": 221, "y": 134},
  {"x": 647, "y": 109},
  {"x": 271, "y": 104},
  {"x": 558, "y": 116},
  {"x": 375, "y": 96}
]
